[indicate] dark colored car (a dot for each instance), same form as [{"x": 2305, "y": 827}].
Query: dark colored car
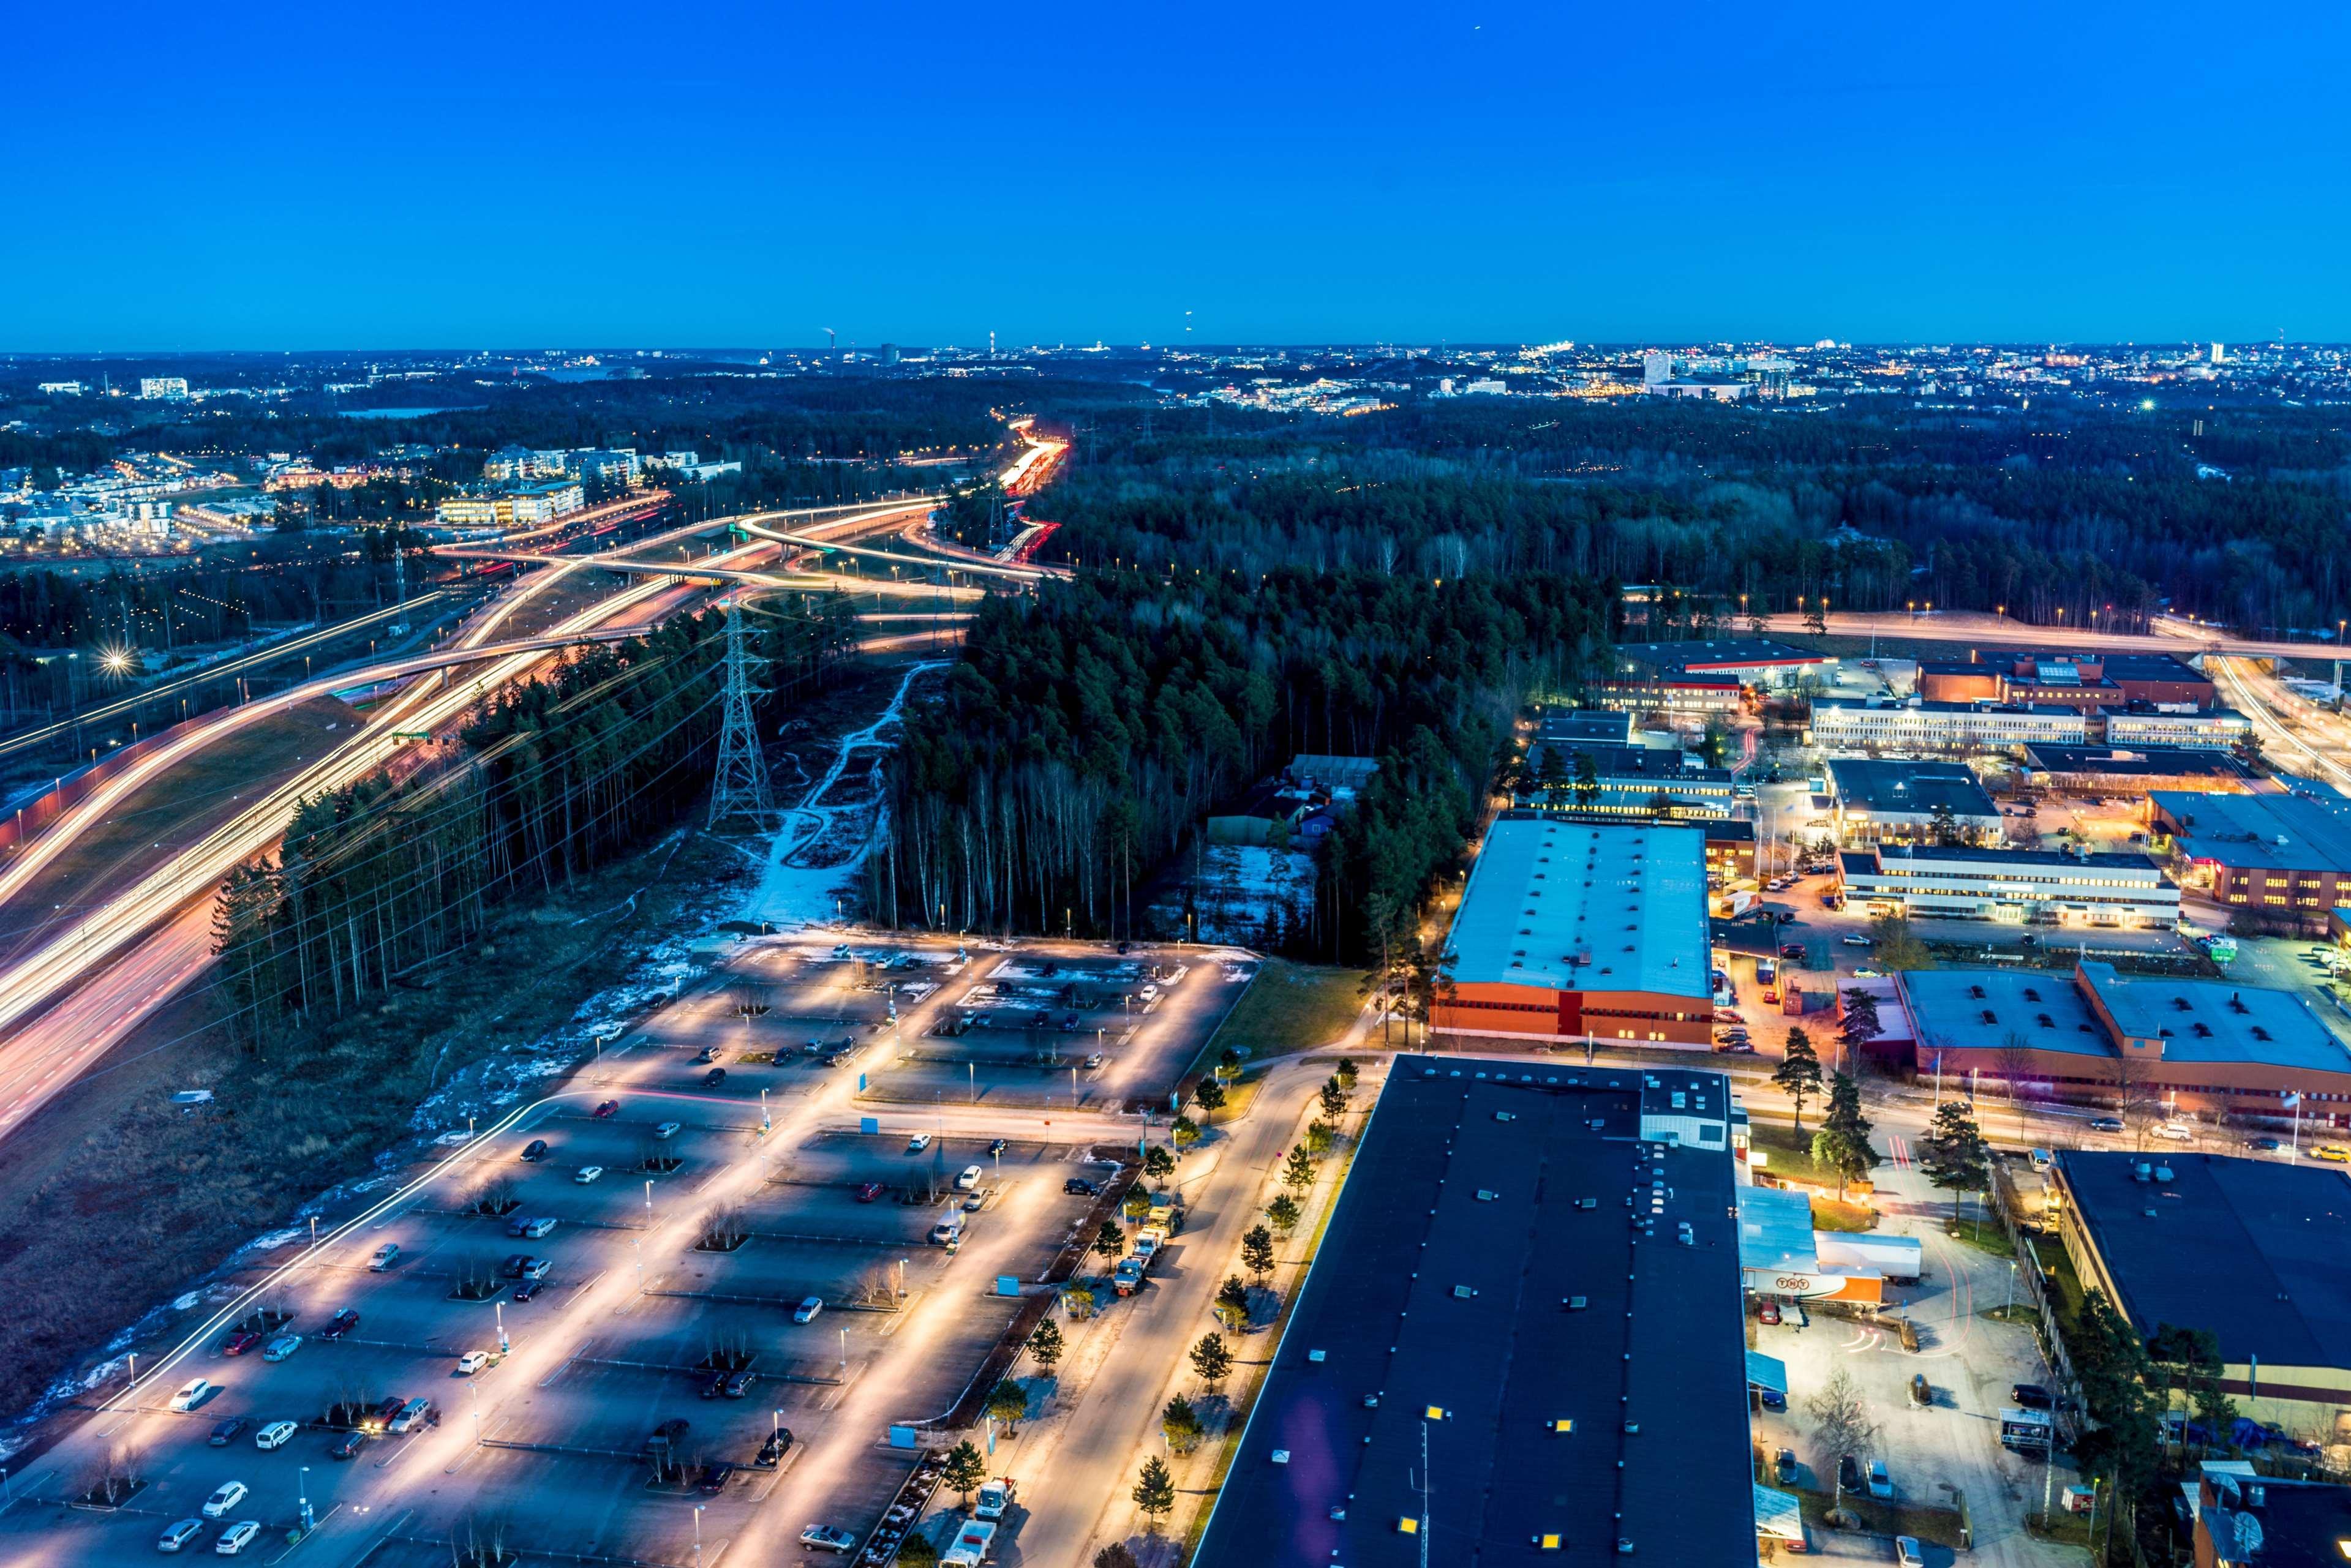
[
  {"x": 869, "y": 1192},
  {"x": 714, "y": 1078},
  {"x": 1848, "y": 1473},
  {"x": 226, "y": 1432},
  {"x": 714, "y": 1477},
  {"x": 2106, "y": 1123},
  {"x": 2267, "y": 1145},
  {"x": 240, "y": 1341},
  {"x": 391, "y": 1405},
  {"x": 348, "y": 1446},
  {"x": 1767, "y": 1312},
  {"x": 1080, "y": 1186},
  {"x": 670, "y": 1431},
  {"x": 715, "y": 1386},
  {"x": 772, "y": 1450},
  {"x": 739, "y": 1385},
  {"x": 1791, "y": 950},
  {"x": 1783, "y": 1466},
  {"x": 535, "y": 1149},
  {"x": 998, "y": 1146},
  {"x": 2029, "y": 1396},
  {"x": 527, "y": 1290},
  {"x": 609, "y": 1108},
  {"x": 341, "y": 1324},
  {"x": 1774, "y": 1400},
  {"x": 515, "y": 1264}
]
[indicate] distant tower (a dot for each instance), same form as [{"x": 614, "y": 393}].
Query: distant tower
[
  {"x": 740, "y": 786},
  {"x": 1656, "y": 368},
  {"x": 2219, "y": 356}
]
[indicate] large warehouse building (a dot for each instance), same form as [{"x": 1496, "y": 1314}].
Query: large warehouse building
[
  {"x": 2282, "y": 860},
  {"x": 1575, "y": 930},
  {"x": 1487, "y": 1362}
]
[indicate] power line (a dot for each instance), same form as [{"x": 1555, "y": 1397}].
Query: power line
[{"x": 739, "y": 787}]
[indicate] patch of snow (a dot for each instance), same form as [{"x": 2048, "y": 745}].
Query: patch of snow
[
  {"x": 189, "y": 1302},
  {"x": 275, "y": 1239}
]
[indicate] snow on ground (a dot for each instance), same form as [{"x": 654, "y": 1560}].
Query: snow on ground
[
  {"x": 1239, "y": 883},
  {"x": 813, "y": 865}
]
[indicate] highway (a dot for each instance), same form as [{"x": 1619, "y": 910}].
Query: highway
[{"x": 1983, "y": 629}]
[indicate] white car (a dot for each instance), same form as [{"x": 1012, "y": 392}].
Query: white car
[
  {"x": 179, "y": 1535},
  {"x": 275, "y": 1436},
  {"x": 2172, "y": 1131},
  {"x": 588, "y": 1174},
  {"x": 668, "y": 1130},
  {"x": 471, "y": 1362},
  {"x": 1093, "y": 1060},
  {"x": 230, "y": 1494},
  {"x": 918, "y": 1142},
  {"x": 807, "y": 1310},
  {"x": 238, "y": 1537},
  {"x": 968, "y": 1178},
  {"x": 1149, "y": 993},
  {"x": 191, "y": 1394},
  {"x": 828, "y": 1538}
]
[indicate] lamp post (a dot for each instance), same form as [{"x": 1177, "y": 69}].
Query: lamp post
[
  {"x": 302, "y": 1496},
  {"x": 499, "y": 1308}
]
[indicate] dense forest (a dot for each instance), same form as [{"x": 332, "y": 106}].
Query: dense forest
[{"x": 553, "y": 778}]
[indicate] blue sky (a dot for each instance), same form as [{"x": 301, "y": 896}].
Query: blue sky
[{"x": 266, "y": 175}]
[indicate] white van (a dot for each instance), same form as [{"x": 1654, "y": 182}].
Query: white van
[{"x": 411, "y": 1415}]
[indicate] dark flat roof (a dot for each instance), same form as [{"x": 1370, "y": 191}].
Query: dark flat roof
[
  {"x": 1646, "y": 763},
  {"x": 2142, "y": 761},
  {"x": 1727, "y": 654},
  {"x": 2285, "y": 832},
  {"x": 1658, "y": 1343},
  {"x": 2255, "y": 1250},
  {"x": 1865, "y": 784}
]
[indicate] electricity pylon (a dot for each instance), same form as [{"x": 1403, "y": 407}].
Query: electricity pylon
[{"x": 740, "y": 786}]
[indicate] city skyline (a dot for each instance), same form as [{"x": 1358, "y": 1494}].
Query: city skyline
[{"x": 1239, "y": 179}]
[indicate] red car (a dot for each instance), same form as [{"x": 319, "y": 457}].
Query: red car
[
  {"x": 609, "y": 1108},
  {"x": 869, "y": 1192},
  {"x": 238, "y": 1344},
  {"x": 1768, "y": 1312},
  {"x": 343, "y": 1323}
]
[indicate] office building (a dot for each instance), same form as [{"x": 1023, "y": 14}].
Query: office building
[
  {"x": 2084, "y": 681},
  {"x": 2157, "y": 726},
  {"x": 1877, "y": 802},
  {"x": 1584, "y": 727},
  {"x": 2257, "y": 1253},
  {"x": 2097, "y": 770},
  {"x": 1486, "y": 1353},
  {"x": 163, "y": 387},
  {"x": 2099, "y": 1038},
  {"x": 1626, "y": 781},
  {"x": 1574, "y": 930},
  {"x": 1918, "y": 725},
  {"x": 2017, "y": 887},
  {"x": 2283, "y": 861}
]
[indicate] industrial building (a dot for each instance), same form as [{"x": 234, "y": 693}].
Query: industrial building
[
  {"x": 1873, "y": 801},
  {"x": 2283, "y": 859},
  {"x": 1914, "y": 725},
  {"x": 1626, "y": 782},
  {"x": 2156, "y": 726},
  {"x": 1571, "y": 930},
  {"x": 2097, "y": 1037},
  {"x": 1694, "y": 678},
  {"x": 1487, "y": 1353},
  {"x": 1781, "y": 1255},
  {"x": 2256, "y": 1251},
  {"x": 2114, "y": 770},
  {"x": 2018, "y": 887},
  {"x": 1584, "y": 727},
  {"x": 2082, "y": 681}
]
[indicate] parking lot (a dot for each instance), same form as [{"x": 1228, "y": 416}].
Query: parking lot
[{"x": 857, "y": 1193}]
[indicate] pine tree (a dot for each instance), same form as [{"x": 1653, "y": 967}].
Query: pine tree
[
  {"x": 1952, "y": 1152},
  {"x": 1155, "y": 1490},
  {"x": 1257, "y": 1250},
  {"x": 1799, "y": 1072},
  {"x": 1212, "y": 1359}
]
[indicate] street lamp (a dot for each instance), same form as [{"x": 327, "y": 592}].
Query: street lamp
[{"x": 302, "y": 1494}]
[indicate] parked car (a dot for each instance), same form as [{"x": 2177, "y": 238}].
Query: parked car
[
  {"x": 341, "y": 1324},
  {"x": 1869, "y": 972},
  {"x": 2029, "y": 1396},
  {"x": 1906, "y": 1554},
  {"x": 1093, "y": 1060},
  {"x": 968, "y": 1178},
  {"x": 1848, "y": 1473},
  {"x": 1855, "y": 941},
  {"x": 1784, "y": 1467},
  {"x": 536, "y": 1268},
  {"x": 714, "y": 1479},
  {"x": 868, "y": 1191},
  {"x": 918, "y": 1142},
  {"x": 514, "y": 1265},
  {"x": 715, "y": 1386},
  {"x": 1079, "y": 1187},
  {"x": 281, "y": 1347},
  {"x": 240, "y": 1341},
  {"x": 348, "y": 1446},
  {"x": 587, "y": 1174},
  {"x": 773, "y": 1449},
  {"x": 1767, "y": 1312},
  {"x": 471, "y": 1362},
  {"x": 668, "y": 1130},
  {"x": 714, "y": 1078},
  {"x": 944, "y": 1232},
  {"x": 274, "y": 1435},
  {"x": 225, "y": 1496},
  {"x": 191, "y": 1395},
  {"x": 808, "y": 1307},
  {"x": 2106, "y": 1123},
  {"x": 996, "y": 1146},
  {"x": 610, "y": 1108},
  {"x": 1792, "y": 949},
  {"x": 236, "y": 1537},
  {"x": 542, "y": 1225},
  {"x": 738, "y": 1384},
  {"x": 536, "y": 1148},
  {"x": 383, "y": 1257},
  {"x": 2173, "y": 1132},
  {"x": 828, "y": 1537},
  {"x": 178, "y": 1535},
  {"x": 1881, "y": 1485},
  {"x": 225, "y": 1432},
  {"x": 527, "y": 1290}
]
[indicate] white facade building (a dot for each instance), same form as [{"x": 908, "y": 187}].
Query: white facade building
[{"x": 1918, "y": 725}]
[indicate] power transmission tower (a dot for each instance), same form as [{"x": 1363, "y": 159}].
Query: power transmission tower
[{"x": 740, "y": 787}]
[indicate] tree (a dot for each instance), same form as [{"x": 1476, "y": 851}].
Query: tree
[
  {"x": 1283, "y": 1210},
  {"x": 1298, "y": 1170},
  {"x": 2188, "y": 1360},
  {"x": 1155, "y": 1490},
  {"x": 1320, "y": 1137},
  {"x": 1228, "y": 1062},
  {"x": 1860, "y": 1025},
  {"x": 1799, "y": 1072},
  {"x": 1137, "y": 1203},
  {"x": 1895, "y": 946},
  {"x": 1007, "y": 1402},
  {"x": 1816, "y": 618},
  {"x": 964, "y": 1468},
  {"x": 1212, "y": 1359},
  {"x": 1347, "y": 1073},
  {"x": 1257, "y": 1250},
  {"x": 1953, "y": 1153},
  {"x": 1210, "y": 1097},
  {"x": 1158, "y": 1165},
  {"x": 1841, "y": 1421},
  {"x": 917, "y": 1551},
  {"x": 1110, "y": 1241},
  {"x": 1334, "y": 1098},
  {"x": 1046, "y": 1344},
  {"x": 1179, "y": 1423},
  {"x": 1233, "y": 1303},
  {"x": 1587, "y": 780},
  {"x": 1841, "y": 1145},
  {"x": 1078, "y": 1300},
  {"x": 1117, "y": 1554},
  {"x": 1184, "y": 1133}
]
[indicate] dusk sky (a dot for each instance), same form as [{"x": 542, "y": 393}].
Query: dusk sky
[{"x": 269, "y": 175}]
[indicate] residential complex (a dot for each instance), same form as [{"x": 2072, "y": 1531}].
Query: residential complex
[
  {"x": 1480, "y": 1314},
  {"x": 2013, "y": 886},
  {"x": 1570, "y": 930}
]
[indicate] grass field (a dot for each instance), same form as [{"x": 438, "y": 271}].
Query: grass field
[
  {"x": 1828, "y": 1214},
  {"x": 1791, "y": 1156},
  {"x": 1288, "y": 1009}
]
